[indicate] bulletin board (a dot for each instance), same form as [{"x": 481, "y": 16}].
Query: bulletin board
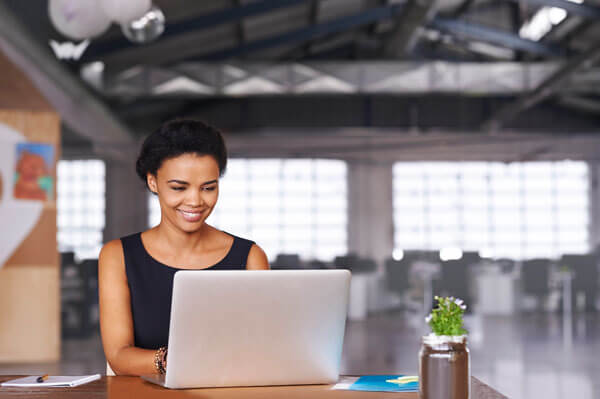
[{"x": 29, "y": 259}]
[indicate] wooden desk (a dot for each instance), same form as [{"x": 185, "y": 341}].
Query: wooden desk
[{"x": 133, "y": 388}]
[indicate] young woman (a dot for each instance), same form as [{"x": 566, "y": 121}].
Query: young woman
[{"x": 181, "y": 163}]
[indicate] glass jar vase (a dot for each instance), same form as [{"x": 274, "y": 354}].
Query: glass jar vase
[{"x": 444, "y": 367}]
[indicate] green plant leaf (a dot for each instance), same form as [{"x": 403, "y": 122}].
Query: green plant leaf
[{"x": 447, "y": 317}]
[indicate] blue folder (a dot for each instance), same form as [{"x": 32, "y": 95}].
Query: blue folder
[{"x": 386, "y": 383}]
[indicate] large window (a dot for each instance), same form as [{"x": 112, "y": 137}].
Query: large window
[
  {"x": 285, "y": 205},
  {"x": 518, "y": 210},
  {"x": 80, "y": 207}
]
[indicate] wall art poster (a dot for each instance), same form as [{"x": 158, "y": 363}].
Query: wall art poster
[
  {"x": 17, "y": 216},
  {"x": 33, "y": 171}
]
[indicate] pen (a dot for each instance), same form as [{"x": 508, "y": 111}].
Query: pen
[{"x": 42, "y": 378}]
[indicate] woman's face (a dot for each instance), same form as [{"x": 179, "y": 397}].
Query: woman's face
[
  {"x": 187, "y": 188},
  {"x": 31, "y": 166}
]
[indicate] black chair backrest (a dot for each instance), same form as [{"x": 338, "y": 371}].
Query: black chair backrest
[
  {"x": 397, "y": 272},
  {"x": 286, "y": 261},
  {"x": 345, "y": 261},
  {"x": 363, "y": 265},
  {"x": 317, "y": 264},
  {"x": 454, "y": 279},
  {"x": 535, "y": 276},
  {"x": 585, "y": 269}
]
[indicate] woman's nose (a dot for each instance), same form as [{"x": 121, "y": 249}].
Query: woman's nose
[{"x": 196, "y": 198}]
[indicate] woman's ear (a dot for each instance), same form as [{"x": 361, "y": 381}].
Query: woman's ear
[{"x": 151, "y": 181}]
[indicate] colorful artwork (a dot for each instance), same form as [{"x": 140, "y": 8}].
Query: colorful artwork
[
  {"x": 33, "y": 171},
  {"x": 20, "y": 215}
]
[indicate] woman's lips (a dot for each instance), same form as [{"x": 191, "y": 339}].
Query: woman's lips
[{"x": 191, "y": 216}]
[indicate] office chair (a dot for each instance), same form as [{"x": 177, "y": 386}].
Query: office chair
[
  {"x": 318, "y": 265},
  {"x": 397, "y": 275},
  {"x": 363, "y": 265},
  {"x": 345, "y": 261},
  {"x": 585, "y": 281},
  {"x": 535, "y": 274},
  {"x": 455, "y": 278},
  {"x": 286, "y": 261}
]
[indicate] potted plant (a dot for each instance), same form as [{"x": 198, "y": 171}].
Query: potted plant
[{"x": 444, "y": 365}]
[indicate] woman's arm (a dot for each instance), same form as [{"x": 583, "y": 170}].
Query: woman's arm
[
  {"x": 257, "y": 259},
  {"x": 116, "y": 322}
]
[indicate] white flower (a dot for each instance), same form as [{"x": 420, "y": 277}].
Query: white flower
[
  {"x": 459, "y": 301},
  {"x": 428, "y": 318}
]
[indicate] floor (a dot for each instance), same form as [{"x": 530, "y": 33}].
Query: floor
[{"x": 525, "y": 356}]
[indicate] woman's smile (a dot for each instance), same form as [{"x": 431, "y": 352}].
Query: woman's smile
[{"x": 191, "y": 216}]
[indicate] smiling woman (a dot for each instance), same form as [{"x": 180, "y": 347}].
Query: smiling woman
[
  {"x": 188, "y": 187},
  {"x": 181, "y": 163}
]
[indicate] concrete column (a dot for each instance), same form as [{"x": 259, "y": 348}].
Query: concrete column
[
  {"x": 370, "y": 210},
  {"x": 594, "y": 204},
  {"x": 370, "y": 229},
  {"x": 126, "y": 200}
]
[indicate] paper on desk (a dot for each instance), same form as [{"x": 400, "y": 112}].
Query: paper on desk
[
  {"x": 379, "y": 383},
  {"x": 64, "y": 381}
]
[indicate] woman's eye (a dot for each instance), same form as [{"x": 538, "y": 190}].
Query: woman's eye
[
  {"x": 211, "y": 188},
  {"x": 178, "y": 188}
]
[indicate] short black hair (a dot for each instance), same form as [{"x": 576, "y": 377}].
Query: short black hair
[{"x": 177, "y": 137}]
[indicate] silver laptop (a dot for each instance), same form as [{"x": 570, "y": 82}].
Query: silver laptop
[{"x": 251, "y": 328}]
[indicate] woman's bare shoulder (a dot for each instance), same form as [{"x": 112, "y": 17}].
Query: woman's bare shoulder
[
  {"x": 257, "y": 259},
  {"x": 111, "y": 254}
]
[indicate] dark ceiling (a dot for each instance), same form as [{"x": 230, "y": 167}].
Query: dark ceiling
[{"x": 351, "y": 31}]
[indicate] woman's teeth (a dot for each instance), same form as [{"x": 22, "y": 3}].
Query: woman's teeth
[{"x": 191, "y": 216}]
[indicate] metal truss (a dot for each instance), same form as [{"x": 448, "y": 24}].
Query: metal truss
[
  {"x": 202, "y": 80},
  {"x": 410, "y": 18},
  {"x": 472, "y": 31},
  {"x": 581, "y": 10},
  {"x": 547, "y": 88},
  {"x": 201, "y": 22},
  {"x": 407, "y": 27},
  {"x": 306, "y": 34}
]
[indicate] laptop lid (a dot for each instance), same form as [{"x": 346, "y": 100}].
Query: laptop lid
[{"x": 261, "y": 327}]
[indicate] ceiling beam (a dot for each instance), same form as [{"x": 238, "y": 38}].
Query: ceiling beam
[
  {"x": 99, "y": 49},
  {"x": 462, "y": 8},
  {"x": 581, "y": 103},
  {"x": 79, "y": 108},
  {"x": 313, "y": 19},
  {"x": 305, "y": 34},
  {"x": 328, "y": 78},
  {"x": 546, "y": 89},
  {"x": 405, "y": 33},
  {"x": 486, "y": 34},
  {"x": 421, "y": 113},
  {"x": 582, "y": 10},
  {"x": 239, "y": 26},
  {"x": 393, "y": 144}
]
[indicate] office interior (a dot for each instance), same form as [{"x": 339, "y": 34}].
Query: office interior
[{"x": 431, "y": 147}]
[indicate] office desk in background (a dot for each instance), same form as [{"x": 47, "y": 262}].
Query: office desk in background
[{"x": 134, "y": 387}]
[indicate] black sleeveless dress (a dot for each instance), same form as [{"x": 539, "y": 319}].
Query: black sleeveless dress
[{"x": 151, "y": 287}]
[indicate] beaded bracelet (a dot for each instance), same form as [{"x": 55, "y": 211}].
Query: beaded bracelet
[{"x": 159, "y": 359}]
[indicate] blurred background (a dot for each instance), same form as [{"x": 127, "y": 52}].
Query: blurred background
[{"x": 441, "y": 147}]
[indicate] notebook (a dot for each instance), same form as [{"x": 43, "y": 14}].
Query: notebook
[{"x": 64, "y": 381}]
